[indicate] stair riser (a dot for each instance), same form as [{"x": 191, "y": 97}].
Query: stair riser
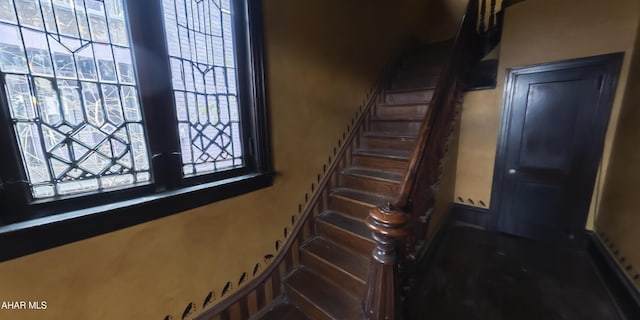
[
  {"x": 348, "y": 207},
  {"x": 414, "y": 82},
  {"x": 388, "y": 143},
  {"x": 401, "y": 112},
  {"x": 421, "y": 71},
  {"x": 337, "y": 275},
  {"x": 306, "y": 306},
  {"x": 388, "y": 164},
  {"x": 381, "y": 187},
  {"x": 421, "y": 96},
  {"x": 406, "y": 128},
  {"x": 345, "y": 238}
]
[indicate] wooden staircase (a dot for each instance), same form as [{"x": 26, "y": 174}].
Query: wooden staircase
[
  {"x": 330, "y": 281},
  {"x": 355, "y": 241}
]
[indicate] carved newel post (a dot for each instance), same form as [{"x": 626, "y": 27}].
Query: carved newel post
[{"x": 382, "y": 296}]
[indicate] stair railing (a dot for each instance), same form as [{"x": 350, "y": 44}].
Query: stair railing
[
  {"x": 490, "y": 23},
  {"x": 254, "y": 298},
  {"x": 402, "y": 222}
]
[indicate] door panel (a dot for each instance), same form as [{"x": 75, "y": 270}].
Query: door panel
[
  {"x": 549, "y": 125},
  {"x": 554, "y": 123}
]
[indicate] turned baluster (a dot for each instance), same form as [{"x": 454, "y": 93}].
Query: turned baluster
[
  {"x": 382, "y": 296},
  {"x": 483, "y": 9},
  {"x": 492, "y": 15}
]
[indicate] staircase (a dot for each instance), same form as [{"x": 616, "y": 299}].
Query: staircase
[
  {"x": 334, "y": 266},
  {"x": 378, "y": 190}
]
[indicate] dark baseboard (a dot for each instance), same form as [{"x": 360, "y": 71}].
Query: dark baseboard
[
  {"x": 622, "y": 290},
  {"x": 471, "y": 215}
]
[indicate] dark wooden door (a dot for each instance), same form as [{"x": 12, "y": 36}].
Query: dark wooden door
[{"x": 553, "y": 128}]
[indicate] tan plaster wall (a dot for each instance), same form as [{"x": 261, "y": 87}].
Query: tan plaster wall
[
  {"x": 539, "y": 31},
  {"x": 322, "y": 58},
  {"x": 619, "y": 211}
]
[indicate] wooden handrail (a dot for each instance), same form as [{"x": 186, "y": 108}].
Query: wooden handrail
[
  {"x": 286, "y": 260},
  {"x": 297, "y": 229},
  {"x": 382, "y": 299},
  {"x": 459, "y": 60}
]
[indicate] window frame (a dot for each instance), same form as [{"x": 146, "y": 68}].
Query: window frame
[{"x": 28, "y": 225}]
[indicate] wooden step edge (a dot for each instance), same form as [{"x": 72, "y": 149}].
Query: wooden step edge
[
  {"x": 366, "y": 236},
  {"x": 362, "y": 279},
  {"x": 409, "y": 84},
  {"x": 313, "y": 298},
  {"x": 403, "y": 104},
  {"x": 385, "y": 135},
  {"x": 372, "y": 174},
  {"x": 405, "y": 119},
  {"x": 397, "y": 91},
  {"x": 268, "y": 311},
  {"x": 380, "y": 200},
  {"x": 395, "y": 154}
]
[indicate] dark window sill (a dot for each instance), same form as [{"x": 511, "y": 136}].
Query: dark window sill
[{"x": 35, "y": 235}]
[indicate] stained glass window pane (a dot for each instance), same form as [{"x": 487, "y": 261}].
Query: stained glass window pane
[
  {"x": 69, "y": 80},
  {"x": 203, "y": 71}
]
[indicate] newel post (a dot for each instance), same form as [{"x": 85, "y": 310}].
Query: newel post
[{"x": 382, "y": 296}]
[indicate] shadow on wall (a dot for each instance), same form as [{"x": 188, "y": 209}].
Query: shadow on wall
[{"x": 618, "y": 221}]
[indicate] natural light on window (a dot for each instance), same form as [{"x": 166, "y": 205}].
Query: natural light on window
[
  {"x": 203, "y": 67},
  {"x": 71, "y": 89}
]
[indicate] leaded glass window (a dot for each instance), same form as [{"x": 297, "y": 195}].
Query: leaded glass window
[
  {"x": 203, "y": 67},
  {"x": 68, "y": 76},
  {"x": 95, "y": 97}
]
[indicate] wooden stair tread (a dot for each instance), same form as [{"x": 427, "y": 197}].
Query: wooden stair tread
[
  {"x": 408, "y": 84},
  {"x": 394, "y": 91},
  {"x": 354, "y": 226},
  {"x": 388, "y": 135},
  {"x": 407, "y": 119},
  {"x": 400, "y": 104},
  {"x": 357, "y": 196},
  {"x": 284, "y": 311},
  {"x": 325, "y": 296},
  {"x": 335, "y": 263},
  {"x": 385, "y": 153},
  {"x": 350, "y": 261},
  {"x": 374, "y": 174}
]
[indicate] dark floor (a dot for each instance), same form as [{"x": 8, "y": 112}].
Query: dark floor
[{"x": 481, "y": 275}]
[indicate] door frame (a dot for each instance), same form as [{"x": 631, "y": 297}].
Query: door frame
[{"x": 611, "y": 64}]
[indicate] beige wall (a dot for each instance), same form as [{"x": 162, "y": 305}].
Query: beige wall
[
  {"x": 619, "y": 211},
  {"x": 322, "y": 59},
  {"x": 538, "y": 31}
]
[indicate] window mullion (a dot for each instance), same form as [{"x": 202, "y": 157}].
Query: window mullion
[
  {"x": 14, "y": 191},
  {"x": 154, "y": 77},
  {"x": 251, "y": 75}
]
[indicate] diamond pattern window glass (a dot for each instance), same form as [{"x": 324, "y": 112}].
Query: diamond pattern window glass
[
  {"x": 203, "y": 68},
  {"x": 68, "y": 76}
]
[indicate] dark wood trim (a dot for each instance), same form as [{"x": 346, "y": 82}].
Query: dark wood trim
[
  {"x": 35, "y": 235},
  {"x": 151, "y": 62},
  {"x": 471, "y": 215},
  {"x": 259, "y": 94},
  {"x": 382, "y": 299},
  {"x": 625, "y": 294},
  {"x": 611, "y": 66}
]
